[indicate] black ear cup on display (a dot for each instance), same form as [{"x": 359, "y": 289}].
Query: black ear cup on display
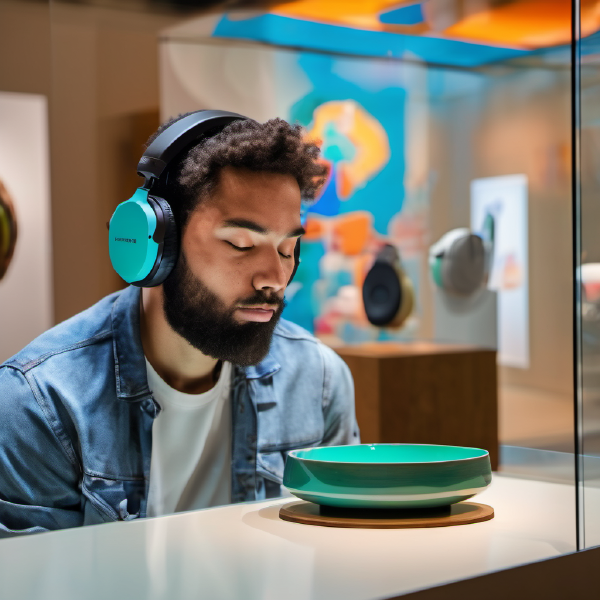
[
  {"x": 382, "y": 294},
  {"x": 388, "y": 295}
]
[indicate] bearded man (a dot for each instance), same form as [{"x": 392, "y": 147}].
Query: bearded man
[{"x": 187, "y": 394}]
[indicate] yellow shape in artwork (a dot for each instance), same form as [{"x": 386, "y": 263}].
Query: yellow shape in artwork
[{"x": 365, "y": 132}]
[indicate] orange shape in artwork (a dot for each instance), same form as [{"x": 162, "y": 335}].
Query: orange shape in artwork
[
  {"x": 512, "y": 273},
  {"x": 524, "y": 24},
  {"x": 354, "y": 13},
  {"x": 352, "y": 232},
  {"x": 314, "y": 230},
  {"x": 345, "y": 185}
]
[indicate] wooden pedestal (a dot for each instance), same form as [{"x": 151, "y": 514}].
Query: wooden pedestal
[
  {"x": 426, "y": 393},
  {"x": 462, "y": 513}
]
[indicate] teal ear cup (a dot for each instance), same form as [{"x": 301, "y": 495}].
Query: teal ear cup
[
  {"x": 435, "y": 264},
  {"x": 133, "y": 251}
]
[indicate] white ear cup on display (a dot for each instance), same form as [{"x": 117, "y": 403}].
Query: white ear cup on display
[{"x": 460, "y": 262}]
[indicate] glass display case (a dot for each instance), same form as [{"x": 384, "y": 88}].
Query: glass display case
[{"x": 586, "y": 153}]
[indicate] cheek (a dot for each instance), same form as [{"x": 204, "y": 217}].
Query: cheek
[{"x": 218, "y": 270}]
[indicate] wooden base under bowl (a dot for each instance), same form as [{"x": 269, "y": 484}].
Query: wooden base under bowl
[{"x": 461, "y": 513}]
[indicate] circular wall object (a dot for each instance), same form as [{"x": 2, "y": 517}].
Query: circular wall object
[{"x": 8, "y": 229}]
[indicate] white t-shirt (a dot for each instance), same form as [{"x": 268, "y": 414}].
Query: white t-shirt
[{"x": 190, "y": 464}]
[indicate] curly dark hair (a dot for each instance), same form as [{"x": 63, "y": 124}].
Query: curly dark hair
[{"x": 274, "y": 146}]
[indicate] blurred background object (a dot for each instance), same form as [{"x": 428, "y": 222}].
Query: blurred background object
[
  {"x": 8, "y": 229},
  {"x": 388, "y": 294}
]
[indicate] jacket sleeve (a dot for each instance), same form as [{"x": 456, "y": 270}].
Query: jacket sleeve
[
  {"x": 39, "y": 480},
  {"x": 341, "y": 427}
]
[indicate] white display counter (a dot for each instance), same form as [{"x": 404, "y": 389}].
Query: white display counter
[{"x": 246, "y": 552}]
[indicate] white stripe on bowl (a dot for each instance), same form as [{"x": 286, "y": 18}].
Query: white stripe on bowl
[{"x": 391, "y": 497}]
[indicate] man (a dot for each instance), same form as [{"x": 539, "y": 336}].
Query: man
[{"x": 190, "y": 393}]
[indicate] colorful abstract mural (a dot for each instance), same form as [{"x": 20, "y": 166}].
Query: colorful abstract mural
[{"x": 362, "y": 206}]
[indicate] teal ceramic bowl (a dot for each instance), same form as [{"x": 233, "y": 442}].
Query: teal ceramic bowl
[{"x": 387, "y": 475}]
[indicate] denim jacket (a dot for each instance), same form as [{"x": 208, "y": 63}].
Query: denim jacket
[{"x": 76, "y": 418}]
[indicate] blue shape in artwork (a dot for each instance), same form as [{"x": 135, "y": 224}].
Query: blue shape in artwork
[
  {"x": 405, "y": 15},
  {"x": 328, "y": 204},
  {"x": 311, "y": 35},
  {"x": 341, "y": 279},
  {"x": 589, "y": 45},
  {"x": 300, "y": 307}
]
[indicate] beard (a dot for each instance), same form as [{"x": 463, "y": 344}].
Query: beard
[{"x": 198, "y": 315}]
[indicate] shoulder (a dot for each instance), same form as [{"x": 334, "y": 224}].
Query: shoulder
[{"x": 86, "y": 328}]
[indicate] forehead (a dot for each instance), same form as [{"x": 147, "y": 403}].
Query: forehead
[{"x": 273, "y": 199}]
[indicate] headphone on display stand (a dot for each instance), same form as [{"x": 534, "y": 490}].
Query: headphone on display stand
[
  {"x": 388, "y": 294},
  {"x": 143, "y": 242},
  {"x": 460, "y": 262}
]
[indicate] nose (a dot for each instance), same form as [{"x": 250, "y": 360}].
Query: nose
[{"x": 271, "y": 273}]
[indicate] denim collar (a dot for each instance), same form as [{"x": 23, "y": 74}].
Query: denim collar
[
  {"x": 130, "y": 362},
  {"x": 266, "y": 367}
]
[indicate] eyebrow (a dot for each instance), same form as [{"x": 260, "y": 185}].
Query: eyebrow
[{"x": 252, "y": 226}]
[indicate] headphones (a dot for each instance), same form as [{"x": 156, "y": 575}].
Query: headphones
[
  {"x": 460, "y": 262},
  {"x": 388, "y": 294},
  {"x": 143, "y": 242},
  {"x": 8, "y": 230}
]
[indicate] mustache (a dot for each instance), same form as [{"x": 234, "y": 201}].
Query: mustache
[{"x": 262, "y": 298}]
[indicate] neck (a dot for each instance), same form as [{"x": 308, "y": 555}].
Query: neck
[{"x": 179, "y": 364}]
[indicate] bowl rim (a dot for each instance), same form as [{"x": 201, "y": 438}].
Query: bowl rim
[{"x": 293, "y": 454}]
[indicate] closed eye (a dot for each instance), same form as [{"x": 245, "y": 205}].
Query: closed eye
[
  {"x": 246, "y": 248},
  {"x": 239, "y": 248}
]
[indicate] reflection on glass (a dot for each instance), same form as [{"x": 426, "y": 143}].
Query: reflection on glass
[{"x": 586, "y": 99}]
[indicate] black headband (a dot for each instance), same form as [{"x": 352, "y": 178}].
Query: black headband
[{"x": 181, "y": 134}]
